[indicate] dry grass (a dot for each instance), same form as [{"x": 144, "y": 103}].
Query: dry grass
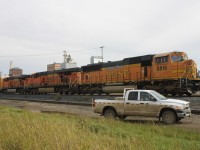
[{"x": 25, "y": 130}]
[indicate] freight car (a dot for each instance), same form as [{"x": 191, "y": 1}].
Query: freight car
[{"x": 169, "y": 73}]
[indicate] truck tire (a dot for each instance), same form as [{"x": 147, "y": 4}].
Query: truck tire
[
  {"x": 168, "y": 117},
  {"x": 110, "y": 114},
  {"x": 122, "y": 117},
  {"x": 178, "y": 119}
]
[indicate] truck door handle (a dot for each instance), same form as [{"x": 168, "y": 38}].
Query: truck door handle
[
  {"x": 127, "y": 103},
  {"x": 144, "y": 103}
]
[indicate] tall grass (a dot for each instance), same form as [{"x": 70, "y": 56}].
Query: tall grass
[{"x": 21, "y": 129}]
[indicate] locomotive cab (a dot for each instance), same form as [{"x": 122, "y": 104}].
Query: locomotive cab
[
  {"x": 174, "y": 65},
  {"x": 174, "y": 73},
  {"x": 183, "y": 68}
]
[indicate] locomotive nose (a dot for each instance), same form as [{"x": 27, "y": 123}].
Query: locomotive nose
[
  {"x": 189, "y": 62},
  {"x": 191, "y": 68}
]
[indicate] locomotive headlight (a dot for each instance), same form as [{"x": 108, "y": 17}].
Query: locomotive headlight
[{"x": 189, "y": 63}]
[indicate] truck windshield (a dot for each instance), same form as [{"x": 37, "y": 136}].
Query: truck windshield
[{"x": 158, "y": 95}]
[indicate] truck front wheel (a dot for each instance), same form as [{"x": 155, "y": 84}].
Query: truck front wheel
[
  {"x": 168, "y": 117},
  {"x": 110, "y": 114}
]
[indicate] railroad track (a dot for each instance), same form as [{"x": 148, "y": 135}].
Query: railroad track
[
  {"x": 50, "y": 101},
  {"x": 73, "y": 102}
]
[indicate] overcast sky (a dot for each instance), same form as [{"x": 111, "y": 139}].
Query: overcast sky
[{"x": 34, "y": 33}]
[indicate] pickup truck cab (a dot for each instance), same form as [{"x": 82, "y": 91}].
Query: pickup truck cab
[{"x": 147, "y": 103}]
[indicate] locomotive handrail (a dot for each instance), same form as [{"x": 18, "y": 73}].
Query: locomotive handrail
[{"x": 186, "y": 77}]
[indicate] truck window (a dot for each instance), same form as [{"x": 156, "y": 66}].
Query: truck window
[
  {"x": 133, "y": 96},
  {"x": 144, "y": 96}
]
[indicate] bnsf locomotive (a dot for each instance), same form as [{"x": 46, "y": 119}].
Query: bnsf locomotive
[{"x": 168, "y": 73}]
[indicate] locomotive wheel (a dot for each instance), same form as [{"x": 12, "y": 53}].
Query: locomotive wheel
[
  {"x": 180, "y": 94},
  {"x": 100, "y": 92},
  {"x": 173, "y": 93},
  {"x": 165, "y": 92},
  {"x": 188, "y": 94},
  {"x": 168, "y": 117}
]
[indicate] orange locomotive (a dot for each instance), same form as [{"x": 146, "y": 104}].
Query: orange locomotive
[
  {"x": 1, "y": 83},
  {"x": 43, "y": 82},
  {"x": 168, "y": 73}
]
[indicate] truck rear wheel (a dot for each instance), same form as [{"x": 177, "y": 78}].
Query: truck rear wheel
[
  {"x": 110, "y": 114},
  {"x": 122, "y": 117},
  {"x": 168, "y": 117}
]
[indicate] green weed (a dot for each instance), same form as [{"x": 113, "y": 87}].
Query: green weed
[{"x": 21, "y": 129}]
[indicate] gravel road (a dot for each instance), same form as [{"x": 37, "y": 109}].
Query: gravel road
[
  {"x": 192, "y": 122},
  {"x": 194, "y": 101}
]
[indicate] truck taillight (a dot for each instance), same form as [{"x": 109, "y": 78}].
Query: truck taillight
[{"x": 93, "y": 103}]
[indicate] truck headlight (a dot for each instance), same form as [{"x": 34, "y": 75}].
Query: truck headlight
[{"x": 178, "y": 107}]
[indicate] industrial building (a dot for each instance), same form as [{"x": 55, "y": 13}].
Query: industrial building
[
  {"x": 54, "y": 66},
  {"x": 65, "y": 65},
  {"x": 14, "y": 72}
]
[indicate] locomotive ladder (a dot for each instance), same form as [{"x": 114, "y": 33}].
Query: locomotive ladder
[{"x": 186, "y": 78}]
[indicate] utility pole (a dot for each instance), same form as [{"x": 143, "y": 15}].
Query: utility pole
[
  {"x": 102, "y": 52},
  {"x": 97, "y": 57}
]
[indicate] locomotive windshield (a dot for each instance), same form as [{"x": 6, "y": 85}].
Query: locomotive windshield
[{"x": 179, "y": 58}]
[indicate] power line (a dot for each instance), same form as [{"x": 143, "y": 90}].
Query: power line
[
  {"x": 33, "y": 55},
  {"x": 83, "y": 50},
  {"x": 29, "y": 55}
]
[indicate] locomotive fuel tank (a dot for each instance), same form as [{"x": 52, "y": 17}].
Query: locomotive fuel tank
[
  {"x": 46, "y": 90},
  {"x": 11, "y": 91}
]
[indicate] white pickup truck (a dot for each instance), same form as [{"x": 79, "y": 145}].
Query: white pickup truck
[{"x": 147, "y": 103}]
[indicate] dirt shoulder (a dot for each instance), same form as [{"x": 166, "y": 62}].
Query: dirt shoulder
[{"x": 192, "y": 122}]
